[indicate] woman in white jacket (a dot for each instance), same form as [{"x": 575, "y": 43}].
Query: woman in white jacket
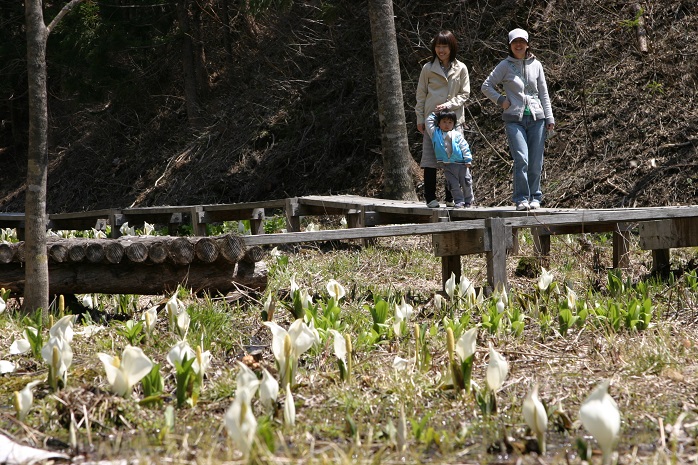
[
  {"x": 527, "y": 115},
  {"x": 444, "y": 84}
]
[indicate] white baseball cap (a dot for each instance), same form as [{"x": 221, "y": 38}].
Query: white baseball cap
[{"x": 518, "y": 34}]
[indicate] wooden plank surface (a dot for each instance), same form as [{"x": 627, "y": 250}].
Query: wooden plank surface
[
  {"x": 667, "y": 234},
  {"x": 363, "y": 233}
]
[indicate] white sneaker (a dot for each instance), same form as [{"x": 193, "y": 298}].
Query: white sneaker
[
  {"x": 523, "y": 205},
  {"x": 534, "y": 204}
]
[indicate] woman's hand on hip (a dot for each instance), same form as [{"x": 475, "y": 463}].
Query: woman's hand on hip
[
  {"x": 506, "y": 104},
  {"x": 420, "y": 127}
]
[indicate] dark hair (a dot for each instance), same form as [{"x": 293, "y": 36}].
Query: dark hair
[
  {"x": 446, "y": 114},
  {"x": 447, "y": 38}
]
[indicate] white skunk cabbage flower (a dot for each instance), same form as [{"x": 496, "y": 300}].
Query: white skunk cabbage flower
[
  {"x": 546, "y": 277},
  {"x": 63, "y": 359},
  {"x": 466, "y": 344},
  {"x": 63, "y": 328},
  {"x": 401, "y": 364},
  {"x": 22, "y": 346},
  {"x": 601, "y": 418},
  {"x": 268, "y": 390},
  {"x": 438, "y": 302},
  {"x": 288, "y": 346},
  {"x": 148, "y": 229},
  {"x": 289, "y": 407},
  {"x": 24, "y": 399},
  {"x": 124, "y": 373},
  {"x": 88, "y": 301},
  {"x": 571, "y": 299},
  {"x": 450, "y": 286},
  {"x": 246, "y": 379},
  {"x": 403, "y": 312},
  {"x": 125, "y": 230},
  {"x": 240, "y": 421},
  {"x": 3, "y": 305},
  {"x": 150, "y": 317},
  {"x": 6, "y": 367},
  {"x": 497, "y": 370},
  {"x": 536, "y": 417},
  {"x": 340, "y": 346},
  {"x": 500, "y": 305},
  {"x": 466, "y": 290},
  {"x": 183, "y": 321},
  {"x": 335, "y": 290},
  {"x": 179, "y": 351}
]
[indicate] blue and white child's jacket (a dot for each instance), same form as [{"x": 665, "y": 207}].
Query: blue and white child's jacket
[{"x": 449, "y": 147}]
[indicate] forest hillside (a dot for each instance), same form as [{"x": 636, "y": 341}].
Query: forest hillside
[{"x": 288, "y": 107}]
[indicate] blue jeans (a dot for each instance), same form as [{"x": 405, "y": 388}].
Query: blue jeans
[{"x": 526, "y": 143}]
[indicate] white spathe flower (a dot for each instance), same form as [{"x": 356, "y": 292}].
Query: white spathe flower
[
  {"x": 466, "y": 344},
  {"x": 63, "y": 328},
  {"x": 150, "y": 317},
  {"x": 343, "y": 223},
  {"x": 21, "y": 346},
  {"x": 571, "y": 299},
  {"x": 98, "y": 234},
  {"x": 601, "y": 418},
  {"x": 312, "y": 227},
  {"x": 246, "y": 379},
  {"x": 306, "y": 299},
  {"x": 288, "y": 346},
  {"x": 183, "y": 321},
  {"x": 466, "y": 289},
  {"x": 403, "y": 312},
  {"x": 88, "y": 301},
  {"x": 125, "y": 230},
  {"x": 546, "y": 277},
  {"x": 240, "y": 421},
  {"x": 175, "y": 306},
  {"x": 450, "y": 285},
  {"x": 438, "y": 302},
  {"x": 294, "y": 285},
  {"x": 124, "y": 373},
  {"x": 6, "y": 367},
  {"x": 179, "y": 351},
  {"x": 500, "y": 305},
  {"x": 340, "y": 346},
  {"x": 535, "y": 416},
  {"x": 335, "y": 290},
  {"x": 275, "y": 252},
  {"x": 202, "y": 362},
  {"x": 401, "y": 364},
  {"x": 289, "y": 408},
  {"x": 3, "y": 305},
  {"x": 24, "y": 399},
  {"x": 65, "y": 356},
  {"x": 148, "y": 229},
  {"x": 497, "y": 370},
  {"x": 311, "y": 326},
  {"x": 268, "y": 390}
]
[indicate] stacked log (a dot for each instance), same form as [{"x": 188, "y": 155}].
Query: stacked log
[{"x": 141, "y": 265}]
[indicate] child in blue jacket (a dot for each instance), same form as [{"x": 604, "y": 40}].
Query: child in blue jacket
[{"x": 453, "y": 154}]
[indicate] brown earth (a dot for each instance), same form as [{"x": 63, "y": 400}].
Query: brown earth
[{"x": 295, "y": 113}]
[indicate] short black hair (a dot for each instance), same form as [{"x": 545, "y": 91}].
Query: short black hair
[{"x": 446, "y": 114}]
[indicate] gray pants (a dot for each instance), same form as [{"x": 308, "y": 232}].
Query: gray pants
[{"x": 460, "y": 182}]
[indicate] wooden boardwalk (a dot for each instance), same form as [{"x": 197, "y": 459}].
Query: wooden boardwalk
[{"x": 455, "y": 232}]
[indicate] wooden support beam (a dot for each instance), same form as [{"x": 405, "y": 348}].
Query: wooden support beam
[
  {"x": 621, "y": 248},
  {"x": 293, "y": 218},
  {"x": 499, "y": 235}
]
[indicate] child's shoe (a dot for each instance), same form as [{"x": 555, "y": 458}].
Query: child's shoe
[
  {"x": 460, "y": 205},
  {"x": 433, "y": 204},
  {"x": 450, "y": 203}
]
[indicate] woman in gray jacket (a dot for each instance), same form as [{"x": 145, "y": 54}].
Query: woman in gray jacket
[{"x": 527, "y": 115}]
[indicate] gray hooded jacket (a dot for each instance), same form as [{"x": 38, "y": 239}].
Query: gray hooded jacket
[{"x": 524, "y": 86}]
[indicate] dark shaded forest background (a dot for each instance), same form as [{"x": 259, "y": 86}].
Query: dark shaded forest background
[{"x": 162, "y": 103}]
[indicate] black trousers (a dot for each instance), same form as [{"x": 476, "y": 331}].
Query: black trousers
[{"x": 430, "y": 186}]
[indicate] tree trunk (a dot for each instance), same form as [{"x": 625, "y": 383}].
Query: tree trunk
[
  {"x": 397, "y": 161},
  {"x": 191, "y": 96},
  {"x": 36, "y": 259}
]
